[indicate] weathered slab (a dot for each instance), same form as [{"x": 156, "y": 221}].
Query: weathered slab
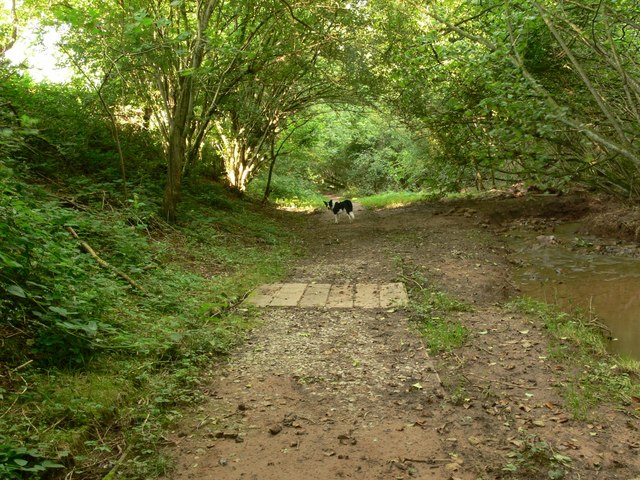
[
  {"x": 315, "y": 295},
  {"x": 289, "y": 295},
  {"x": 393, "y": 295},
  {"x": 262, "y": 296},
  {"x": 367, "y": 295},
  {"x": 340, "y": 296},
  {"x": 324, "y": 295}
]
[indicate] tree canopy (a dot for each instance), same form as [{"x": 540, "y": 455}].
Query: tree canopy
[{"x": 539, "y": 91}]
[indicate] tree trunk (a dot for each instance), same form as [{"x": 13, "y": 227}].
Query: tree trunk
[
  {"x": 180, "y": 116},
  {"x": 174, "y": 176},
  {"x": 267, "y": 189},
  {"x": 176, "y": 149}
]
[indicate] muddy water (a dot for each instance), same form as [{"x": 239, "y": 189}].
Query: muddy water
[{"x": 573, "y": 272}]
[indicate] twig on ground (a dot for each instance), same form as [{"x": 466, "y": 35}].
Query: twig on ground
[
  {"x": 412, "y": 280},
  {"x": 103, "y": 263}
]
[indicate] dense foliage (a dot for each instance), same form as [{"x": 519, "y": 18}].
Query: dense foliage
[
  {"x": 108, "y": 313},
  {"x": 487, "y": 93},
  {"x": 545, "y": 92}
]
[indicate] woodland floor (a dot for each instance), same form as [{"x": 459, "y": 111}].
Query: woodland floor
[{"x": 352, "y": 393}]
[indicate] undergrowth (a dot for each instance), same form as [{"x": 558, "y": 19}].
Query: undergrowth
[
  {"x": 95, "y": 360},
  {"x": 595, "y": 376},
  {"x": 535, "y": 458},
  {"x": 431, "y": 310}
]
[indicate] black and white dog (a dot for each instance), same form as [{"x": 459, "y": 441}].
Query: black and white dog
[{"x": 337, "y": 207}]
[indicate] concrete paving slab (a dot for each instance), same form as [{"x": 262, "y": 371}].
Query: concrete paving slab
[
  {"x": 367, "y": 295},
  {"x": 393, "y": 295},
  {"x": 315, "y": 295},
  {"x": 340, "y": 296},
  {"x": 324, "y": 295},
  {"x": 289, "y": 295},
  {"x": 262, "y": 296}
]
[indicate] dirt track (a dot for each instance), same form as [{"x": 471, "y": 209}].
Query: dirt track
[{"x": 352, "y": 393}]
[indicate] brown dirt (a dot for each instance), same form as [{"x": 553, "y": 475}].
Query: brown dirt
[{"x": 326, "y": 394}]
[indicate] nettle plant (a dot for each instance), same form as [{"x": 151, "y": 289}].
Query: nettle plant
[{"x": 49, "y": 289}]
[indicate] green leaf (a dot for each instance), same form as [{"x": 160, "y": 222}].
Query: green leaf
[
  {"x": 555, "y": 474},
  {"x": 60, "y": 311},
  {"x": 50, "y": 464},
  {"x": 562, "y": 458},
  {"x": 17, "y": 291},
  {"x": 182, "y": 36}
]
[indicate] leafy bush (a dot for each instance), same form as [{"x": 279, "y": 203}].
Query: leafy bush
[
  {"x": 117, "y": 360},
  {"x": 44, "y": 279},
  {"x": 65, "y": 130},
  {"x": 89, "y": 363},
  {"x": 22, "y": 462}
]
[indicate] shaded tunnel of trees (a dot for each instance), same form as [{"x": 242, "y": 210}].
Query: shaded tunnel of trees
[{"x": 372, "y": 94}]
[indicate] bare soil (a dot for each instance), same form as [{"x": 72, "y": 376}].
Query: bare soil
[{"x": 327, "y": 394}]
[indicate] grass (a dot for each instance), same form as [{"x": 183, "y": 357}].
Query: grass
[
  {"x": 430, "y": 309},
  {"x": 595, "y": 375},
  {"x": 140, "y": 357},
  {"x": 394, "y": 199},
  {"x": 430, "y": 312},
  {"x": 401, "y": 198}
]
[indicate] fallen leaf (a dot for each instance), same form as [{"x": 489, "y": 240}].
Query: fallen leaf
[
  {"x": 571, "y": 445},
  {"x": 538, "y": 423}
]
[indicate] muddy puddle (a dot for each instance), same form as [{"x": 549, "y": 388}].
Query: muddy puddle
[{"x": 574, "y": 271}]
